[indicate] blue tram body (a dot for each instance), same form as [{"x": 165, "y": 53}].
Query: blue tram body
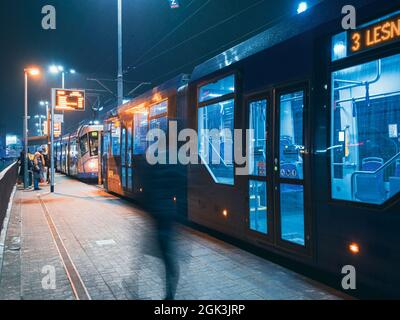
[{"x": 323, "y": 185}]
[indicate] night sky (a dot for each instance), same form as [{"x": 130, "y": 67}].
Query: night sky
[{"x": 86, "y": 40}]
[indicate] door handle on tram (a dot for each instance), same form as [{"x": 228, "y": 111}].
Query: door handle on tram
[
  {"x": 276, "y": 164},
  {"x": 304, "y": 151}
]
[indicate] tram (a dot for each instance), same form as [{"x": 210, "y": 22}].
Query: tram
[
  {"x": 323, "y": 185},
  {"x": 77, "y": 154}
]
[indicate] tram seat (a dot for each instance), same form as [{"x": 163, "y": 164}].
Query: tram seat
[
  {"x": 371, "y": 188},
  {"x": 394, "y": 185},
  {"x": 372, "y": 164}
]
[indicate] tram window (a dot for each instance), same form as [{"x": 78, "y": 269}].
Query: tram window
[
  {"x": 292, "y": 213},
  {"x": 106, "y": 142},
  {"x": 258, "y": 206},
  {"x": 130, "y": 178},
  {"x": 159, "y": 123},
  {"x": 365, "y": 140},
  {"x": 129, "y": 146},
  {"x": 139, "y": 133},
  {"x": 94, "y": 143},
  {"x": 159, "y": 109},
  {"x": 217, "y": 89},
  {"x": 84, "y": 144},
  {"x": 291, "y": 135},
  {"x": 115, "y": 139},
  {"x": 123, "y": 147},
  {"x": 258, "y": 144},
  {"x": 216, "y": 127}
]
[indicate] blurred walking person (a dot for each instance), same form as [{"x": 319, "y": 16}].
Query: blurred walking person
[{"x": 163, "y": 245}]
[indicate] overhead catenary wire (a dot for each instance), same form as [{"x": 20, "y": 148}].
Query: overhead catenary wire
[
  {"x": 172, "y": 31},
  {"x": 227, "y": 45},
  {"x": 223, "y": 47},
  {"x": 198, "y": 34}
]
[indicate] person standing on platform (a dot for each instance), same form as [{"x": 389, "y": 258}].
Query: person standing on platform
[
  {"x": 38, "y": 165},
  {"x": 46, "y": 169},
  {"x": 21, "y": 163}
]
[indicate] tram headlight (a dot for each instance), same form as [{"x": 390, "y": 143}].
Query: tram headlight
[{"x": 91, "y": 165}]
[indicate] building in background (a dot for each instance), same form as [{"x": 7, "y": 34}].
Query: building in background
[{"x": 14, "y": 146}]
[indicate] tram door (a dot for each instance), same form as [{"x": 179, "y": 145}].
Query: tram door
[
  {"x": 123, "y": 159},
  {"x": 126, "y": 158},
  {"x": 104, "y": 152},
  {"x": 278, "y": 210}
]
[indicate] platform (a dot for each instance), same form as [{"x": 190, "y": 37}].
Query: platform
[{"x": 93, "y": 245}]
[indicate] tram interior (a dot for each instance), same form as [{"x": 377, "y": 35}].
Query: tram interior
[
  {"x": 216, "y": 129},
  {"x": 365, "y": 149}
]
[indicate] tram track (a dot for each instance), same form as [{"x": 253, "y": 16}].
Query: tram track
[{"x": 77, "y": 285}]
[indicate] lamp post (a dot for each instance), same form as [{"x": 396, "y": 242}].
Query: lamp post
[
  {"x": 60, "y": 69},
  {"x": 46, "y": 104},
  {"x": 120, "y": 79},
  {"x": 52, "y": 170},
  {"x": 39, "y": 124},
  {"x": 33, "y": 72}
]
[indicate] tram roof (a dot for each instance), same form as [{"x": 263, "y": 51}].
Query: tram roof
[
  {"x": 172, "y": 84},
  {"x": 283, "y": 31}
]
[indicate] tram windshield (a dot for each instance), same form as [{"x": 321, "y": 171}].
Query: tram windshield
[
  {"x": 94, "y": 143},
  {"x": 84, "y": 144},
  {"x": 365, "y": 150}
]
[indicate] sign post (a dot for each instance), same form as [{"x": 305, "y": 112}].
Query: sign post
[
  {"x": 61, "y": 99},
  {"x": 52, "y": 171}
]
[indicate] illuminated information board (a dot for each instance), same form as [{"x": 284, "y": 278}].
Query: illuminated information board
[
  {"x": 375, "y": 35},
  {"x": 69, "y": 99}
]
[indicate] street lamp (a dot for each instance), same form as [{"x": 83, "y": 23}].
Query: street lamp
[
  {"x": 31, "y": 71},
  {"x": 39, "y": 124},
  {"x": 60, "y": 69},
  {"x": 46, "y": 104}
]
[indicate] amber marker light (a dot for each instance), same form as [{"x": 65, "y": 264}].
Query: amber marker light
[
  {"x": 225, "y": 213},
  {"x": 354, "y": 248}
]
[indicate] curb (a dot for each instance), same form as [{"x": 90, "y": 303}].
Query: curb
[{"x": 5, "y": 228}]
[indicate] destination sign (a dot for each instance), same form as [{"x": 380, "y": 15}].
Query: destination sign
[
  {"x": 69, "y": 99},
  {"x": 376, "y": 35}
]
